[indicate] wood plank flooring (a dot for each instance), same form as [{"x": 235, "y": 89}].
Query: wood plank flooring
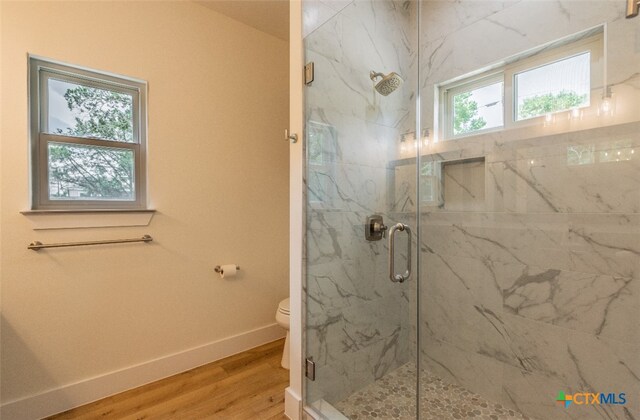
[{"x": 249, "y": 385}]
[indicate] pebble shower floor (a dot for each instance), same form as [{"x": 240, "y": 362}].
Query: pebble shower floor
[{"x": 393, "y": 397}]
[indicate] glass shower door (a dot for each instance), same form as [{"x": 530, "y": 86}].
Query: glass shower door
[
  {"x": 361, "y": 178},
  {"x": 529, "y": 211}
]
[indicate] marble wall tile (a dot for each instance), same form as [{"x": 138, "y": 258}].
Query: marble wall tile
[
  {"x": 351, "y": 140},
  {"x": 580, "y": 361},
  {"x": 551, "y": 184},
  {"x": 354, "y": 328},
  {"x": 344, "y": 266},
  {"x": 314, "y": 14},
  {"x": 514, "y": 145},
  {"x": 539, "y": 343},
  {"x": 354, "y": 371},
  {"x": 536, "y": 394},
  {"x": 516, "y": 28},
  {"x": 441, "y": 18},
  {"x": 572, "y": 172},
  {"x": 402, "y": 189},
  {"x": 558, "y": 235},
  {"x": 334, "y": 237},
  {"x": 592, "y": 142},
  {"x": 592, "y": 303},
  {"x": 590, "y": 243},
  {"x": 577, "y": 360},
  {"x": 468, "y": 327},
  {"x": 364, "y": 36},
  {"x": 353, "y": 91},
  {"x": 451, "y": 277},
  {"x": 605, "y": 365},
  {"x": 390, "y": 24},
  {"x": 463, "y": 185},
  {"x": 351, "y": 188},
  {"x": 332, "y": 287},
  {"x": 473, "y": 371}
]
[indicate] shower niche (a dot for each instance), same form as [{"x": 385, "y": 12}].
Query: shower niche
[
  {"x": 449, "y": 185},
  {"x": 463, "y": 184}
]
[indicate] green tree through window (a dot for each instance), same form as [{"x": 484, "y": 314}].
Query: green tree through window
[
  {"x": 100, "y": 113},
  {"x": 94, "y": 172},
  {"x": 465, "y": 114},
  {"x": 543, "y": 104}
]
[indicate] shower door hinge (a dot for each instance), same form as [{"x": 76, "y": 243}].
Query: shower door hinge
[
  {"x": 633, "y": 7},
  {"x": 310, "y": 369},
  {"x": 308, "y": 73}
]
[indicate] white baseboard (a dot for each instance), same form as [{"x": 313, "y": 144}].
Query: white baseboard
[
  {"x": 74, "y": 395},
  {"x": 292, "y": 404}
]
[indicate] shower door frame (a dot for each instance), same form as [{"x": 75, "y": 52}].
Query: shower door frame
[{"x": 293, "y": 393}]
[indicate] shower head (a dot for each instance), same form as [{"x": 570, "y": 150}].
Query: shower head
[{"x": 388, "y": 84}]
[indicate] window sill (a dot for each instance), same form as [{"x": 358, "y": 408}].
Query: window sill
[{"x": 73, "y": 219}]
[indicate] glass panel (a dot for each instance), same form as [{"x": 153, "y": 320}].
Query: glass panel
[
  {"x": 360, "y": 160},
  {"x": 81, "y": 172},
  {"x": 527, "y": 239},
  {"x": 478, "y": 109},
  {"x": 83, "y": 111},
  {"x": 530, "y": 278},
  {"x": 559, "y": 86}
]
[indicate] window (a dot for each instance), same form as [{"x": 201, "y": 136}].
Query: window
[
  {"x": 524, "y": 89},
  {"x": 475, "y": 106},
  {"x": 554, "y": 87},
  {"x": 88, "y": 135}
]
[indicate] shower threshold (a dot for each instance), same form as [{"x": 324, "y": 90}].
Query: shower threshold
[{"x": 393, "y": 397}]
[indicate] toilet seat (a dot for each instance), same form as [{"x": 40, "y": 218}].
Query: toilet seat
[
  {"x": 283, "y": 307},
  {"x": 282, "y": 318}
]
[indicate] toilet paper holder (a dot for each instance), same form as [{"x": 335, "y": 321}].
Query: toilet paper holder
[{"x": 218, "y": 269}]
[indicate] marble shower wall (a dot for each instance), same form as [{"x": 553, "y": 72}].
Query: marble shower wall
[
  {"x": 359, "y": 326},
  {"x": 530, "y": 275}
]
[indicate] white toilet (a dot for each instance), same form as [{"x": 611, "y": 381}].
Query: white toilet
[{"x": 282, "y": 318}]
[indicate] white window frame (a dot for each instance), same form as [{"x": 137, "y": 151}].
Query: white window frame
[
  {"x": 592, "y": 45},
  {"x": 591, "y": 41},
  {"x": 41, "y": 70},
  {"x": 467, "y": 85}
]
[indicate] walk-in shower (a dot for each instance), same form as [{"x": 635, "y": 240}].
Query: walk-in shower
[{"x": 511, "y": 153}]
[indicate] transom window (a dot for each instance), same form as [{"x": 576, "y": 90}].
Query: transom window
[
  {"x": 524, "y": 89},
  {"x": 88, "y": 138},
  {"x": 476, "y": 106},
  {"x": 558, "y": 86}
]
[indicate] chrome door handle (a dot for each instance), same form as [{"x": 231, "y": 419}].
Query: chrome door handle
[{"x": 399, "y": 278}]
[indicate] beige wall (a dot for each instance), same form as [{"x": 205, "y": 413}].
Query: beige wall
[{"x": 218, "y": 176}]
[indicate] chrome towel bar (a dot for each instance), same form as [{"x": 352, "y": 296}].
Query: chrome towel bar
[{"x": 39, "y": 245}]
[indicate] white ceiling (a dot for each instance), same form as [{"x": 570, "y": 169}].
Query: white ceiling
[{"x": 270, "y": 16}]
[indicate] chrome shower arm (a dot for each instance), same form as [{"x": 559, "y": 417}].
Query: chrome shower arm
[{"x": 374, "y": 74}]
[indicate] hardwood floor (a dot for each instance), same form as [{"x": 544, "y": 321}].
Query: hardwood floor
[{"x": 249, "y": 385}]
